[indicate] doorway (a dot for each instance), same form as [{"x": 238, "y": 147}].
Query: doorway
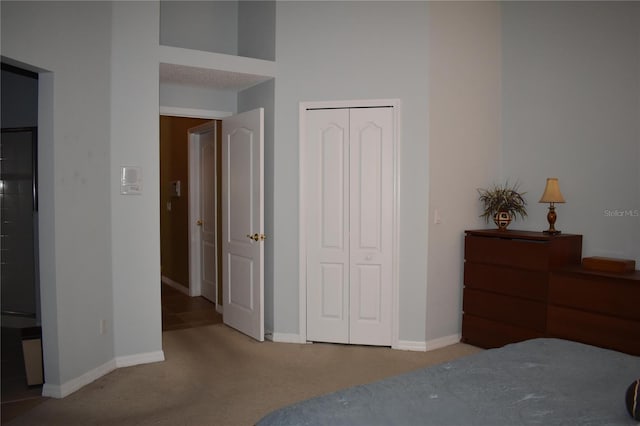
[
  {"x": 238, "y": 188},
  {"x": 181, "y": 308},
  {"x": 19, "y": 272},
  {"x": 227, "y": 217}
]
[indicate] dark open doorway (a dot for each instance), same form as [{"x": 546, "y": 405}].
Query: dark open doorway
[{"x": 22, "y": 370}]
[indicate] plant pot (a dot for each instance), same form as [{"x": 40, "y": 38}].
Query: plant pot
[{"x": 502, "y": 220}]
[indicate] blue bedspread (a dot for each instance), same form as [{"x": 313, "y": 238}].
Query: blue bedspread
[{"x": 537, "y": 382}]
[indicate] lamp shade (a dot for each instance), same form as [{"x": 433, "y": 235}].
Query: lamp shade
[{"x": 552, "y": 192}]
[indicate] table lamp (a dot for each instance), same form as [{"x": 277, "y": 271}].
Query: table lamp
[{"x": 552, "y": 195}]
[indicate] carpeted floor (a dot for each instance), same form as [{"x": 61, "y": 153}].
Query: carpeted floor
[
  {"x": 214, "y": 375},
  {"x": 179, "y": 311}
]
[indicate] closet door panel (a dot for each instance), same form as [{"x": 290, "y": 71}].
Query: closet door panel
[
  {"x": 368, "y": 285},
  {"x": 327, "y": 192},
  {"x": 371, "y": 220}
]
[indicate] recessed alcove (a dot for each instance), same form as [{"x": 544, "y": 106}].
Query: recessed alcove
[{"x": 211, "y": 51}]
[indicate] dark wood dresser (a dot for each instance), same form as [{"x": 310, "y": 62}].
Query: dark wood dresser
[
  {"x": 506, "y": 283},
  {"x": 598, "y": 308},
  {"x": 521, "y": 285}
]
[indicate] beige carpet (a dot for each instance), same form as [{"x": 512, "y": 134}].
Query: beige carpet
[{"x": 214, "y": 375}]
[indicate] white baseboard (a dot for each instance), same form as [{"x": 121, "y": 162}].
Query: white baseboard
[
  {"x": 286, "y": 338},
  {"x": 441, "y": 342},
  {"x": 174, "y": 284},
  {"x": 403, "y": 345},
  {"x": 137, "y": 359},
  {"x": 69, "y": 387},
  {"x": 409, "y": 345}
]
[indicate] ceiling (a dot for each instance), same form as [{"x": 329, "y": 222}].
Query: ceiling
[{"x": 208, "y": 78}]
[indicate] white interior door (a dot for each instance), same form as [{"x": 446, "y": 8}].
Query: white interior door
[
  {"x": 243, "y": 222},
  {"x": 349, "y": 189},
  {"x": 208, "y": 220}
]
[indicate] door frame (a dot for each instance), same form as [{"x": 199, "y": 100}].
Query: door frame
[{"x": 302, "y": 204}]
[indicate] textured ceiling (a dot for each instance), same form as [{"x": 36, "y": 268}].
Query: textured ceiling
[{"x": 208, "y": 78}]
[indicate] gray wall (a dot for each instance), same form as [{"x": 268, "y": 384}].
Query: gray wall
[
  {"x": 135, "y": 220},
  {"x": 211, "y": 26},
  {"x": 352, "y": 50},
  {"x": 185, "y": 96},
  {"x": 257, "y": 29},
  {"x": 464, "y": 144},
  {"x": 244, "y": 28},
  {"x": 570, "y": 103},
  {"x": 75, "y": 180}
]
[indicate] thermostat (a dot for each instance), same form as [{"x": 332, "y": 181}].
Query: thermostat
[{"x": 130, "y": 180}]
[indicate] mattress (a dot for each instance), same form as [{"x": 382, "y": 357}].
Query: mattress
[{"x": 536, "y": 382}]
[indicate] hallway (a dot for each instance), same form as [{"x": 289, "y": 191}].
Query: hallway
[{"x": 181, "y": 311}]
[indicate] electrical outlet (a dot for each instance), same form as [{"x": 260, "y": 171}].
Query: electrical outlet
[{"x": 103, "y": 327}]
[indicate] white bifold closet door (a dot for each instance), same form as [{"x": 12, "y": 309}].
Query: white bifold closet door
[{"x": 349, "y": 188}]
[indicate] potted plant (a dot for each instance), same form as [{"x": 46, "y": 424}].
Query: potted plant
[{"x": 502, "y": 203}]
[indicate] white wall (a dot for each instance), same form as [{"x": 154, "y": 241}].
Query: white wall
[
  {"x": 571, "y": 103},
  {"x": 70, "y": 44},
  {"x": 352, "y": 50},
  {"x": 464, "y": 143}
]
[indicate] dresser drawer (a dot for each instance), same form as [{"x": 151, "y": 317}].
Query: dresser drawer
[
  {"x": 486, "y": 333},
  {"x": 509, "y": 252},
  {"x": 606, "y": 295},
  {"x": 513, "y": 249},
  {"x": 594, "y": 329},
  {"x": 509, "y": 310},
  {"x": 499, "y": 279}
]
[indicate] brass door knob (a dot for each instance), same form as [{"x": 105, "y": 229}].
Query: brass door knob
[
  {"x": 257, "y": 237},
  {"x": 199, "y": 222}
]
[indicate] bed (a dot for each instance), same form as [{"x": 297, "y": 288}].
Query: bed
[{"x": 544, "y": 381}]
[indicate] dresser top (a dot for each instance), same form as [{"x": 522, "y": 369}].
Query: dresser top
[
  {"x": 579, "y": 270},
  {"x": 515, "y": 234}
]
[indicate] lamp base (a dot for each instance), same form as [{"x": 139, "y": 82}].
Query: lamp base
[{"x": 551, "y": 218}]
